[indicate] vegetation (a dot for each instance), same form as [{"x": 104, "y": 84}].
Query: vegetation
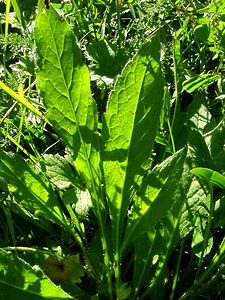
[{"x": 112, "y": 149}]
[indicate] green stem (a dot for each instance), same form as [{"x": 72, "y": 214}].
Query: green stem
[
  {"x": 119, "y": 28},
  {"x": 176, "y": 276},
  {"x": 19, "y": 146},
  {"x": 22, "y": 100},
  {"x": 7, "y": 18}
]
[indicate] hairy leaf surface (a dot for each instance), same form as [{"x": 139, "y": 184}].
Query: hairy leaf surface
[
  {"x": 129, "y": 128},
  {"x": 65, "y": 85}
]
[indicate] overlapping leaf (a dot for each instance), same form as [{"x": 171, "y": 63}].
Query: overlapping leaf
[
  {"x": 18, "y": 277},
  {"x": 30, "y": 187},
  {"x": 158, "y": 194}
]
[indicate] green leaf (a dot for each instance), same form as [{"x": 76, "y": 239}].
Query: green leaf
[
  {"x": 202, "y": 120},
  {"x": 178, "y": 66},
  {"x": 109, "y": 59},
  {"x": 26, "y": 282},
  {"x": 80, "y": 200},
  {"x": 199, "y": 238},
  {"x": 65, "y": 85},
  {"x": 59, "y": 171},
  {"x": 215, "y": 6},
  {"x": 201, "y": 81},
  {"x": 197, "y": 200},
  {"x": 157, "y": 196},
  {"x": 144, "y": 260},
  {"x": 211, "y": 176},
  {"x": 129, "y": 128},
  {"x": 30, "y": 187}
]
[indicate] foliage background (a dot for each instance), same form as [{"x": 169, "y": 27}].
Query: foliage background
[{"x": 109, "y": 33}]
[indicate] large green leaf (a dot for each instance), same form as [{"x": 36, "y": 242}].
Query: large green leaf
[
  {"x": 65, "y": 85},
  {"x": 30, "y": 187},
  {"x": 157, "y": 196},
  {"x": 129, "y": 128},
  {"x": 18, "y": 280}
]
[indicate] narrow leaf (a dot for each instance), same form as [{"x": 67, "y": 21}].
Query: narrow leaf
[
  {"x": 214, "y": 7},
  {"x": 200, "y": 81},
  {"x": 211, "y": 176}
]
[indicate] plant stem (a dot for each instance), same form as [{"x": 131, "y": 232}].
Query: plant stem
[
  {"x": 22, "y": 100},
  {"x": 119, "y": 28},
  {"x": 176, "y": 276},
  {"x": 7, "y": 18}
]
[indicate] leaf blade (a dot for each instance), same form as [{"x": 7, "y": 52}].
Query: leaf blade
[
  {"x": 65, "y": 85},
  {"x": 31, "y": 281},
  {"x": 30, "y": 187},
  {"x": 129, "y": 127}
]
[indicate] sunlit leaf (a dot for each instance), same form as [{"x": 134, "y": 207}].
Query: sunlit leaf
[
  {"x": 200, "y": 81},
  {"x": 129, "y": 128},
  {"x": 64, "y": 82},
  {"x": 211, "y": 176},
  {"x": 26, "y": 282}
]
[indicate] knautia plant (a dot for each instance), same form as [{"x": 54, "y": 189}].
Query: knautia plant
[{"x": 116, "y": 214}]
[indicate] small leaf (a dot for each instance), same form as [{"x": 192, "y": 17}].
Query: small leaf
[
  {"x": 59, "y": 171},
  {"x": 80, "y": 200},
  {"x": 211, "y": 176}
]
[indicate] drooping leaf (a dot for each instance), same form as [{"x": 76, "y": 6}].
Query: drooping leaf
[
  {"x": 129, "y": 128},
  {"x": 30, "y": 187},
  {"x": 65, "y": 85},
  {"x": 18, "y": 279},
  {"x": 211, "y": 176}
]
